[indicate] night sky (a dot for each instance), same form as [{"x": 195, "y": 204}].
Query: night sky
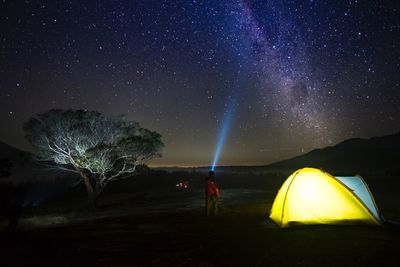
[{"x": 293, "y": 75}]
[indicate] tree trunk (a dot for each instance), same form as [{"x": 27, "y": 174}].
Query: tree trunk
[
  {"x": 97, "y": 191},
  {"x": 92, "y": 196},
  {"x": 92, "y": 199},
  {"x": 99, "y": 187}
]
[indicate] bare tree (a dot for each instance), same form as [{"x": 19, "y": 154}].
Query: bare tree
[{"x": 100, "y": 149}]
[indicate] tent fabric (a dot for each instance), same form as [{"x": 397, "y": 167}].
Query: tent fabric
[
  {"x": 311, "y": 196},
  {"x": 360, "y": 189}
]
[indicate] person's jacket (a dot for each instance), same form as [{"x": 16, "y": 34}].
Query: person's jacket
[{"x": 212, "y": 189}]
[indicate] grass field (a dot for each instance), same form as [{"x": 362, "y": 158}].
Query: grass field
[
  {"x": 156, "y": 230},
  {"x": 240, "y": 236}
]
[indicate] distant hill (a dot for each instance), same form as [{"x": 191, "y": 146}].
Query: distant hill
[
  {"x": 37, "y": 183},
  {"x": 7, "y": 151},
  {"x": 377, "y": 154},
  {"x": 380, "y": 155},
  {"x": 374, "y": 155},
  {"x": 25, "y": 169},
  {"x": 22, "y": 165}
]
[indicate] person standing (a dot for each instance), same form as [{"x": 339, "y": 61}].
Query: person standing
[{"x": 212, "y": 194}]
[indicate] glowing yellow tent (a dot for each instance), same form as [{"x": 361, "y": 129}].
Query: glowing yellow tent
[{"x": 311, "y": 196}]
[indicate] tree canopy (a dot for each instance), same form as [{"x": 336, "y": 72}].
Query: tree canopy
[{"x": 99, "y": 148}]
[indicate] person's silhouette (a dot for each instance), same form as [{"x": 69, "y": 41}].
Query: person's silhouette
[{"x": 212, "y": 194}]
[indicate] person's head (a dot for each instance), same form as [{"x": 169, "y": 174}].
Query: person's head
[{"x": 211, "y": 175}]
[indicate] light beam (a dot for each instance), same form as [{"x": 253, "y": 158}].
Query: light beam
[{"x": 227, "y": 119}]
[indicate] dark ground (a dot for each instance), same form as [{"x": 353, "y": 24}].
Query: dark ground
[{"x": 241, "y": 236}]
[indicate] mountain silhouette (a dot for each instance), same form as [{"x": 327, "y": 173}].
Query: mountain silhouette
[{"x": 377, "y": 154}]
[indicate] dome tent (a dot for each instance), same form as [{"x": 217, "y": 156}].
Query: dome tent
[{"x": 311, "y": 196}]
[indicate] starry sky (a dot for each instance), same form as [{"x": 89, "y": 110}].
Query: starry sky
[{"x": 293, "y": 75}]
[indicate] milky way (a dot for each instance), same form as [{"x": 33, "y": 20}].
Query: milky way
[
  {"x": 279, "y": 56},
  {"x": 300, "y": 74}
]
